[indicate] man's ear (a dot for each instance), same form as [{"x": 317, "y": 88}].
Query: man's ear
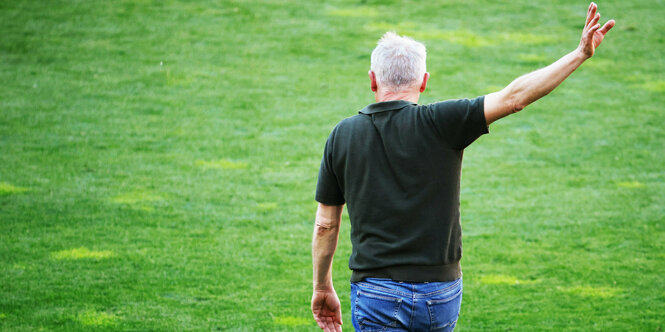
[
  {"x": 372, "y": 78},
  {"x": 424, "y": 84}
]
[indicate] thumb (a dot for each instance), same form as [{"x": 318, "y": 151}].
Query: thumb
[{"x": 609, "y": 25}]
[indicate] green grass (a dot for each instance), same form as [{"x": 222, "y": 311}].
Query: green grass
[{"x": 158, "y": 161}]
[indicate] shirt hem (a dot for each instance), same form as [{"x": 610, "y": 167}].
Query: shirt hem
[{"x": 412, "y": 273}]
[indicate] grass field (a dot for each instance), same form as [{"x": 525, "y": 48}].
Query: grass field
[{"x": 158, "y": 161}]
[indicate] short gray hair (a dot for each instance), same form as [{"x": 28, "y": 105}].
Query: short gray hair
[{"x": 398, "y": 62}]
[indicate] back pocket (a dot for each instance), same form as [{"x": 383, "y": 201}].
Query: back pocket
[
  {"x": 444, "y": 312},
  {"x": 376, "y": 312}
]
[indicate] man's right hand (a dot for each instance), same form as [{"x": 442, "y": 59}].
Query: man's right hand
[
  {"x": 593, "y": 34},
  {"x": 327, "y": 310}
]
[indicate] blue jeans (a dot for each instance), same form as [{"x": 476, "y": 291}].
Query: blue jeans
[{"x": 387, "y": 305}]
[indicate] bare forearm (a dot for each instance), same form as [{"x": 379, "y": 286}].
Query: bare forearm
[
  {"x": 324, "y": 243},
  {"x": 530, "y": 87}
]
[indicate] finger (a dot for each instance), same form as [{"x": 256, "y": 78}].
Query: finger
[
  {"x": 594, "y": 20},
  {"x": 332, "y": 326},
  {"x": 590, "y": 35},
  {"x": 320, "y": 320},
  {"x": 609, "y": 25},
  {"x": 324, "y": 323},
  {"x": 591, "y": 13},
  {"x": 592, "y": 30},
  {"x": 329, "y": 325},
  {"x": 338, "y": 328}
]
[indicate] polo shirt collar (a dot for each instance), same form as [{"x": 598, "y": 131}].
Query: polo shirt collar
[{"x": 384, "y": 106}]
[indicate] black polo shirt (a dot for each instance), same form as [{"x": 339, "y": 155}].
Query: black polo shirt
[{"x": 397, "y": 166}]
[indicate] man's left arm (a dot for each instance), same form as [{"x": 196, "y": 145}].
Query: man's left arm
[
  {"x": 530, "y": 87},
  {"x": 325, "y": 303}
]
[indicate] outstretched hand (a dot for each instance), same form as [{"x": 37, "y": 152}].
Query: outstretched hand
[
  {"x": 593, "y": 34},
  {"x": 327, "y": 310}
]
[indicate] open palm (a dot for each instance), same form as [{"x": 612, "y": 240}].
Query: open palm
[{"x": 593, "y": 34}]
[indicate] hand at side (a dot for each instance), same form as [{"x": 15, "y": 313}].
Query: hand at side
[{"x": 327, "y": 310}]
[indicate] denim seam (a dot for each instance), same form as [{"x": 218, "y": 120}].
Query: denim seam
[
  {"x": 380, "y": 297},
  {"x": 397, "y": 307},
  {"x": 413, "y": 305},
  {"x": 437, "y": 292},
  {"x": 448, "y": 299},
  {"x": 382, "y": 289},
  {"x": 355, "y": 311}
]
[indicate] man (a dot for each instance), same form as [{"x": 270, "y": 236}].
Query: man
[{"x": 397, "y": 167}]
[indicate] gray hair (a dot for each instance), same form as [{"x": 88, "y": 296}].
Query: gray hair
[{"x": 398, "y": 62}]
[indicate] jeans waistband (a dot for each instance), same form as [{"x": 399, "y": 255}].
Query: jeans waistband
[{"x": 412, "y": 273}]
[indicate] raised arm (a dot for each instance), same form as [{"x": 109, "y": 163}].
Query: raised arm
[
  {"x": 325, "y": 303},
  {"x": 530, "y": 87}
]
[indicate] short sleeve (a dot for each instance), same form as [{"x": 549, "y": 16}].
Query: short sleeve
[
  {"x": 328, "y": 189},
  {"x": 459, "y": 122}
]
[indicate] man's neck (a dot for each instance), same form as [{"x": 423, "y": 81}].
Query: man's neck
[{"x": 409, "y": 95}]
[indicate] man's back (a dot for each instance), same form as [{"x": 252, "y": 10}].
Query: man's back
[{"x": 397, "y": 166}]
